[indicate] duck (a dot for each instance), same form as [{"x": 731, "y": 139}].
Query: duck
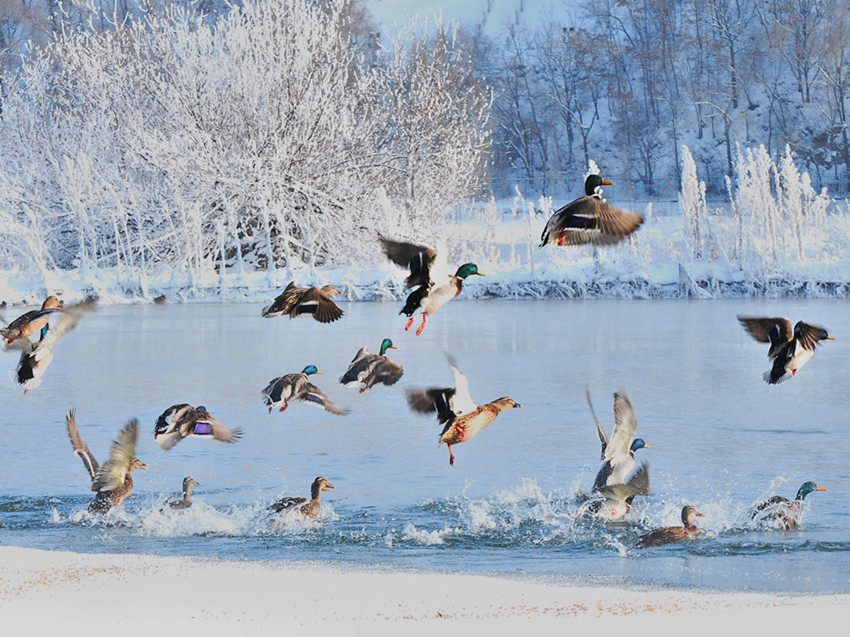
[
  {"x": 618, "y": 453},
  {"x": 31, "y": 322},
  {"x": 368, "y": 369},
  {"x": 590, "y": 219},
  {"x": 673, "y": 533},
  {"x": 308, "y": 508},
  {"x": 455, "y": 407},
  {"x": 789, "y": 350},
  {"x": 434, "y": 286},
  {"x": 295, "y": 301},
  {"x": 112, "y": 481},
  {"x": 614, "y": 501},
  {"x": 184, "y": 421},
  {"x": 37, "y": 356},
  {"x": 779, "y": 512},
  {"x": 186, "y": 501},
  {"x": 296, "y": 386}
]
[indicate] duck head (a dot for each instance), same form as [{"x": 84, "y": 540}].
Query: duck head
[
  {"x": 320, "y": 484},
  {"x": 688, "y": 513},
  {"x": 467, "y": 269},
  {"x": 51, "y": 302},
  {"x": 505, "y": 402},
  {"x": 806, "y": 488},
  {"x": 188, "y": 483},
  {"x": 385, "y": 345},
  {"x": 329, "y": 289},
  {"x": 137, "y": 464},
  {"x": 593, "y": 182},
  {"x": 638, "y": 443},
  {"x": 311, "y": 369}
]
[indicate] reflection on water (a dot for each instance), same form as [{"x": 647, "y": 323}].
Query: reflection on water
[{"x": 721, "y": 440}]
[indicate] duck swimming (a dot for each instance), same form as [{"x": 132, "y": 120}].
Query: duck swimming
[
  {"x": 789, "y": 350},
  {"x": 672, "y": 533},
  {"x": 368, "y": 369},
  {"x": 184, "y": 421},
  {"x": 618, "y": 453},
  {"x": 296, "y": 386},
  {"x": 779, "y": 512},
  {"x": 308, "y": 508},
  {"x": 589, "y": 219},
  {"x": 31, "y": 322},
  {"x": 113, "y": 481},
  {"x": 454, "y": 406},
  {"x": 429, "y": 275},
  {"x": 296, "y": 301},
  {"x": 186, "y": 501}
]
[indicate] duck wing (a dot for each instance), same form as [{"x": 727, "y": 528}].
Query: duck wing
[
  {"x": 81, "y": 449},
  {"x": 285, "y": 504},
  {"x": 461, "y": 401},
  {"x": 320, "y": 305},
  {"x": 111, "y": 474},
  {"x": 600, "y": 433},
  {"x": 170, "y": 426},
  {"x": 283, "y": 302},
  {"x": 589, "y": 219},
  {"x": 625, "y": 427},
  {"x": 358, "y": 368},
  {"x": 220, "y": 432},
  {"x": 770, "y": 503},
  {"x": 387, "y": 372},
  {"x": 638, "y": 484},
  {"x": 775, "y": 330},
  {"x": 417, "y": 258},
  {"x": 315, "y": 396},
  {"x": 808, "y": 335},
  {"x": 432, "y": 400}
]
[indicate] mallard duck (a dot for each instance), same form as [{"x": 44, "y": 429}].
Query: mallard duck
[
  {"x": 454, "y": 406},
  {"x": 186, "y": 502},
  {"x": 183, "y": 421},
  {"x": 368, "y": 369},
  {"x": 113, "y": 481},
  {"x": 296, "y": 386},
  {"x": 618, "y": 453},
  {"x": 308, "y": 508},
  {"x": 672, "y": 533},
  {"x": 779, "y": 512},
  {"x": 789, "y": 350},
  {"x": 296, "y": 301},
  {"x": 37, "y": 356},
  {"x": 613, "y": 502},
  {"x": 429, "y": 275},
  {"x": 590, "y": 219},
  {"x": 31, "y": 322}
]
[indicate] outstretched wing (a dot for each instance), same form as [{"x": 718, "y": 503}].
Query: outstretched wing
[
  {"x": 417, "y": 258},
  {"x": 625, "y": 427},
  {"x": 461, "y": 402},
  {"x": 433, "y": 400},
  {"x": 222, "y": 433},
  {"x": 284, "y": 504},
  {"x": 111, "y": 474},
  {"x": 317, "y": 303},
  {"x": 776, "y": 330},
  {"x": 600, "y": 433},
  {"x": 314, "y": 396},
  {"x": 81, "y": 449},
  {"x": 589, "y": 220},
  {"x": 638, "y": 484},
  {"x": 809, "y": 335}
]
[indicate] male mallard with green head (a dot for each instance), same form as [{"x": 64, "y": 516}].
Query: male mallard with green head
[
  {"x": 590, "y": 219},
  {"x": 368, "y": 369},
  {"x": 779, "y": 512},
  {"x": 308, "y": 508},
  {"x": 296, "y": 301},
  {"x": 429, "y": 275},
  {"x": 183, "y": 421},
  {"x": 454, "y": 406},
  {"x": 113, "y": 481},
  {"x": 296, "y": 387},
  {"x": 673, "y": 533},
  {"x": 789, "y": 350},
  {"x": 31, "y": 322},
  {"x": 618, "y": 453}
]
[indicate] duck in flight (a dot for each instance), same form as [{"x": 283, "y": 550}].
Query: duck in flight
[
  {"x": 789, "y": 350},
  {"x": 295, "y": 386},
  {"x": 368, "y": 369},
  {"x": 295, "y": 301}
]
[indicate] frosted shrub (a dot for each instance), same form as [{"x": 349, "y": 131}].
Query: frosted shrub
[{"x": 692, "y": 201}]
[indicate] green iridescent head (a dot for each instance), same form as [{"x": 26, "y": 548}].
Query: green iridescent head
[
  {"x": 310, "y": 369},
  {"x": 468, "y": 269},
  {"x": 593, "y": 182},
  {"x": 807, "y": 488},
  {"x": 385, "y": 345}
]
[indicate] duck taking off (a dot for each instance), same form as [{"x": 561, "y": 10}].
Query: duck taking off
[
  {"x": 368, "y": 369},
  {"x": 308, "y": 508},
  {"x": 31, "y": 322},
  {"x": 618, "y": 452},
  {"x": 781, "y": 513},
  {"x": 296, "y": 386},
  {"x": 296, "y": 301},
  {"x": 454, "y": 406},
  {"x": 590, "y": 219},
  {"x": 184, "y": 421},
  {"x": 113, "y": 481},
  {"x": 613, "y": 502},
  {"x": 789, "y": 350},
  {"x": 673, "y": 533},
  {"x": 434, "y": 286}
]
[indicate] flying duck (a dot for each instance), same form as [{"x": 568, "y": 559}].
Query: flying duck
[
  {"x": 113, "y": 481},
  {"x": 618, "y": 453},
  {"x": 183, "y": 421},
  {"x": 308, "y": 508},
  {"x": 672, "y": 533},
  {"x": 789, "y": 350},
  {"x": 454, "y": 406},
  {"x": 434, "y": 286},
  {"x": 31, "y": 322},
  {"x": 589, "y": 219},
  {"x": 368, "y": 369},
  {"x": 296, "y": 301},
  {"x": 296, "y": 386},
  {"x": 779, "y": 512}
]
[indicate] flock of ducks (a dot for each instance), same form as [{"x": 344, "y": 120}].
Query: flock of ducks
[{"x": 587, "y": 220}]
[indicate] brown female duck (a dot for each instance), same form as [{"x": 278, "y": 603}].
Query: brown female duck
[
  {"x": 31, "y": 322},
  {"x": 672, "y": 533},
  {"x": 308, "y": 508},
  {"x": 113, "y": 481},
  {"x": 296, "y": 301},
  {"x": 186, "y": 501}
]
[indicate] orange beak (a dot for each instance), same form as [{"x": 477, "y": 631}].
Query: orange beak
[
  {"x": 605, "y": 182},
  {"x": 820, "y": 488}
]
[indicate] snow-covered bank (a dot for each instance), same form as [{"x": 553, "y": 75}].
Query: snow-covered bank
[{"x": 44, "y": 590}]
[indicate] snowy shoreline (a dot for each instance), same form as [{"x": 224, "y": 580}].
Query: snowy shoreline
[{"x": 43, "y": 590}]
